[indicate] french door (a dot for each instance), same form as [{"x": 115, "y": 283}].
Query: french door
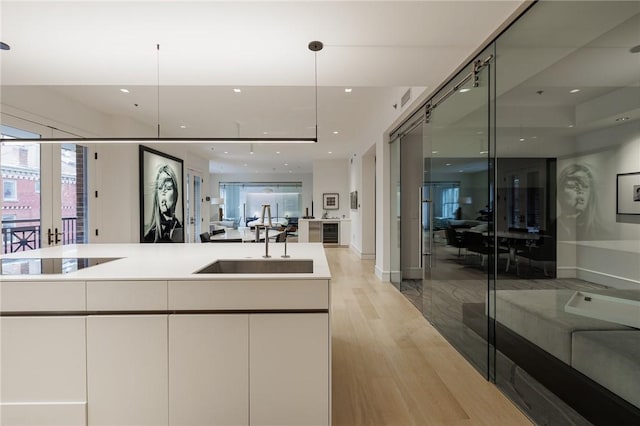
[
  {"x": 44, "y": 199},
  {"x": 194, "y": 201}
]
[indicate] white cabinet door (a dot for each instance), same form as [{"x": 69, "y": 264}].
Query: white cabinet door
[
  {"x": 209, "y": 370},
  {"x": 43, "y": 369},
  {"x": 127, "y": 377},
  {"x": 289, "y": 369}
]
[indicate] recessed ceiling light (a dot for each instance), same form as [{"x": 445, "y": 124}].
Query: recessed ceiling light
[
  {"x": 434, "y": 152},
  {"x": 448, "y": 164},
  {"x": 348, "y": 90},
  {"x": 226, "y": 152},
  {"x": 534, "y": 137},
  {"x": 622, "y": 118},
  {"x": 521, "y": 139},
  {"x": 237, "y": 90},
  {"x": 460, "y": 171},
  {"x": 570, "y": 125},
  {"x": 479, "y": 133},
  {"x": 574, "y": 91},
  {"x": 484, "y": 152},
  {"x": 335, "y": 132},
  {"x": 277, "y": 152},
  {"x": 183, "y": 126},
  {"x": 464, "y": 90},
  {"x": 286, "y": 164},
  {"x": 330, "y": 152},
  {"x": 265, "y": 133},
  {"x": 124, "y": 90},
  {"x": 290, "y": 171}
]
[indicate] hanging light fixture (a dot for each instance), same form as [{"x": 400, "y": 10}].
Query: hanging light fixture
[
  {"x": 314, "y": 46},
  {"x": 4, "y": 46}
]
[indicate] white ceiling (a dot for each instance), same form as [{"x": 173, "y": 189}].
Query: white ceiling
[{"x": 87, "y": 50}]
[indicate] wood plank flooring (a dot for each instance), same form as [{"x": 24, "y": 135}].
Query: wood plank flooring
[{"x": 391, "y": 367}]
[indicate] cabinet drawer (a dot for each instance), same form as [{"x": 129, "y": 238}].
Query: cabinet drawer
[
  {"x": 126, "y": 295},
  {"x": 38, "y": 296},
  {"x": 249, "y": 295}
]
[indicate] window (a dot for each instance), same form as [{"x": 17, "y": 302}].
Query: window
[
  {"x": 10, "y": 190},
  {"x": 244, "y": 200},
  {"x": 446, "y": 197},
  {"x": 37, "y": 187},
  {"x": 450, "y": 197}
]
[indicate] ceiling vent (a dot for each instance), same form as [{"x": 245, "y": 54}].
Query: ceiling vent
[{"x": 405, "y": 98}]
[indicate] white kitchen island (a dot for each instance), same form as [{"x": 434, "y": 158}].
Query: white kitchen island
[{"x": 144, "y": 340}]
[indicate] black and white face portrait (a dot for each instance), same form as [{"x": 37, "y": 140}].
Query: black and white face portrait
[
  {"x": 636, "y": 193},
  {"x": 166, "y": 187},
  {"x": 161, "y": 213}
]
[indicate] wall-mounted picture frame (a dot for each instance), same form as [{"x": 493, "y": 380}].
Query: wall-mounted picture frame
[
  {"x": 628, "y": 193},
  {"x": 161, "y": 201},
  {"x": 353, "y": 196},
  {"x": 330, "y": 201}
]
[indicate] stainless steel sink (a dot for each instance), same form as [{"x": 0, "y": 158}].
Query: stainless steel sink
[{"x": 259, "y": 266}]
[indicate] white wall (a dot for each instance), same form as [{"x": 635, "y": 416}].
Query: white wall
[
  {"x": 331, "y": 176},
  {"x": 367, "y": 204},
  {"x": 355, "y": 184},
  {"x": 116, "y": 211},
  {"x": 621, "y": 156}
]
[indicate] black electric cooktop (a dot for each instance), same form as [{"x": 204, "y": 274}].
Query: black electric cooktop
[{"x": 49, "y": 265}]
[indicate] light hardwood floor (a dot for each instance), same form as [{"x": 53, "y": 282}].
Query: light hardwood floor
[{"x": 391, "y": 367}]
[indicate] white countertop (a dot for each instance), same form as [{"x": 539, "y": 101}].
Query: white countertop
[{"x": 172, "y": 261}]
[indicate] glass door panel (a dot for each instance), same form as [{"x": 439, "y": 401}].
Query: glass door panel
[
  {"x": 21, "y": 183},
  {"x": 197, "y": 205},
  {"x": 394, "y": 206},
  {"x": 414, "y": 233},
  {"x": 73, "y": 195},
  {"x": 194, "y": 206},
  {"x": 457, "y": 175}
]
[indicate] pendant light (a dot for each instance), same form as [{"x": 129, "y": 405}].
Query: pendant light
[{"x": 314, "y": 46}]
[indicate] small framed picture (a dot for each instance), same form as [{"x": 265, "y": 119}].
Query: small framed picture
[
  {"x": 330, "y": 201},
  {"x": 628, "y": 193},
  {"x": 354, "y": 200}
]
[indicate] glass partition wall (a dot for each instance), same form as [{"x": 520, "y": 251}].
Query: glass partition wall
[{"x": 521, "y": 213}]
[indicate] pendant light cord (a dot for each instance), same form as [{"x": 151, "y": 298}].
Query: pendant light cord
[
  {"x": 158, "y": 84},
  {"x": 315, "y": 63},
  {"x": 315, "y": 47}
]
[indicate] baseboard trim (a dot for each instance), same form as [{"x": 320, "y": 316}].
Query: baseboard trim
[
  {"x": 362, "y": 256},
  {"x": 384, "y": 276},
  {"x": 597, "y": 277}
]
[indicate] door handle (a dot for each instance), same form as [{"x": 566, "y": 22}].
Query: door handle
[
  {"x": 49, "y": 236},
  {"x": 57, "y": 235}
]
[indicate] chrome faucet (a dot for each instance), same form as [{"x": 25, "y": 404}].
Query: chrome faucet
[
  {"x": 266, "y": 243},
  {"x": 257, "y": 239},
  {"x": 285, "y": 255}
]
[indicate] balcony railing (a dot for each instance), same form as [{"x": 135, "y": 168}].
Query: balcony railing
[{"x": 24, "y": 234}]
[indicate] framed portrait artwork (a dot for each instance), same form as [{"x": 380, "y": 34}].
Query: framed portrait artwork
[
  {"x": 628, "y": 193},
  {"x": 330, "y": 201},
  {"x": 161, "y": 200}
]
